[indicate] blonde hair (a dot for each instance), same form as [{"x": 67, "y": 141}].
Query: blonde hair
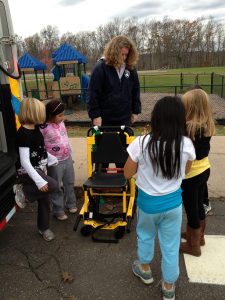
[
  {"x": 113, "y": 55},
  {"x": 198, "y": 114},
  {"x": 32, "y": 111}
]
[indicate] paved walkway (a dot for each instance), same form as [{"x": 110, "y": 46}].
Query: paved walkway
[
  {"x": 217, "y": 160},
  {"x": 31, "y": 268}
]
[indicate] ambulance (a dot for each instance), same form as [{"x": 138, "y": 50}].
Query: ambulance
[{"x": 10, "y": 98}]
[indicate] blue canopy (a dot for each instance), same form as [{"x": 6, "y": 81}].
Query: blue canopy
[
  {"x": 59, "y": 50},
  {"x": 28, "y": 61},
  {"x": 68, "y": 53}
]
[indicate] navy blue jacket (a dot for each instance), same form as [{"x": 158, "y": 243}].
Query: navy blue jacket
[{"x": 112, "y": 98}]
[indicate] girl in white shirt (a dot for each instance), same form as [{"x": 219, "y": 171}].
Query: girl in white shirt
[{"x": 161, "y": 159}]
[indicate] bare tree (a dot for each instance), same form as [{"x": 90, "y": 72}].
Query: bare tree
[
  {"x": 175, "y": 43},
  {"x": 33, "y": 45},
  {"x": 50, "y": 36},
  {"x": 19, "y": 45}
]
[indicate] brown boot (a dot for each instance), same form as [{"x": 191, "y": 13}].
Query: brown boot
[
  {"x": 202, "y": 239},
  {"x": 203, "y": 225},
  {"x": 184, "y": 234},
  {"x": 192, "y": 246}
]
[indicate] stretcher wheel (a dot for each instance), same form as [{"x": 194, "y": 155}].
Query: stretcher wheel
[
  {"x": 119, "y": 232},
  {"x": 86, "y": 230}
]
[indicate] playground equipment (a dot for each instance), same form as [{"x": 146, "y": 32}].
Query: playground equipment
[
  {"x": 29, "y": 63},
  {"x": 53, "y": 70},
  {"x": 67, "y": 55},
  {"x": 104, "y": 148}
]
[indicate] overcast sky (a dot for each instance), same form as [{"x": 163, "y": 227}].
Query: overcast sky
[{"x": 30, "y": 16}]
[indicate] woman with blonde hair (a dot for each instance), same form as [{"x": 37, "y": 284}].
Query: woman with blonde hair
[
  {"x": 113, "y": 95},
  {"x": 200, "y": 128}
]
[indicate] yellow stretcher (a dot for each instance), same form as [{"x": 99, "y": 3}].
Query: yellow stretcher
[{"x": 107, "y": 145}]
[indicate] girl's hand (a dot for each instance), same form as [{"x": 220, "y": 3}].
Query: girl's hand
[
  {"x": 44, "y": 188},
  {"x": 144, "y": 132}
]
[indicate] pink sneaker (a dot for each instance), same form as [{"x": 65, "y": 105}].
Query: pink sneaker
[
  {"x": 73, "y": 210},
  {"x": 62, "y": 217}
]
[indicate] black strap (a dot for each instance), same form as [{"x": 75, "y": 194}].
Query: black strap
[
  {"x": 101, "y": 218},
  {"x": 14, "y": 77}
]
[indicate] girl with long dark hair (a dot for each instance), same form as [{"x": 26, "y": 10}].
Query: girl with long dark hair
[{"x": 161, "y": 159}]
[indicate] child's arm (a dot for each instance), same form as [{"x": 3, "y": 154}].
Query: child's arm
[
  {"x": 71, "y": 148},
  {"x": 134, "y": 151},
  {"x": 52, "y": 160},
  {"x": 188, "y": 167},
  {"x": 26, "y": 164},
  {"x": 130, "y": 168},
  {"x": 71, "y": 151},
  {"x": 191, "y": 155}
]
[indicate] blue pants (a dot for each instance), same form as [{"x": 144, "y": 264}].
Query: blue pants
[{"x": 169, "y": 230}]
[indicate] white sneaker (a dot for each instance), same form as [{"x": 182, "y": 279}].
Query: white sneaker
[
  {"x": 62, "y": 217},
  {"x": 48, "y": 235},
  {"x": 207, "y": 208},
  {"x": 168, "y": 295},
  {"x": 73, "y": 210},
  {"x": 19, "y": 195}
]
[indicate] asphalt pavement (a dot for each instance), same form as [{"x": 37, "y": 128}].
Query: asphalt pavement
[{"x": 32, "y": 268}]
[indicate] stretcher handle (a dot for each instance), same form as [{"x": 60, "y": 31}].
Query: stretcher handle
[
  {"x": 122, "y": 127},
  {"x": 112, "y": 169}
]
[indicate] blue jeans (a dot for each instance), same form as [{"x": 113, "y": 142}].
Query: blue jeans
[{"x": 169, "y": 230}]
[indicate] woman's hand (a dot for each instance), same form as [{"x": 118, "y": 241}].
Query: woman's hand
[
  {"x": 44, "y": 188},
  {"x": 97, "y": 121},
  {"x": 133, "y": 118}
]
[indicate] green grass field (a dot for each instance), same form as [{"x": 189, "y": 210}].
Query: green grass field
[
  {"x": 75, "y": 131},
  {"x": 165, "y": 79},
  {"x": 217, "y": 70},
  {"x": 158, "y": 80},
  {"x": 30, "y": 81},
  {"x": 173, "y": 77}
]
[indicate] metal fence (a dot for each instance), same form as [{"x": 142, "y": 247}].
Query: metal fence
[
  {"x": 218, "y": 83},
  {"x": 174, "y": 79},
  {"x": 76, "y": 109},
  {"x": 181, "y": 79}
]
